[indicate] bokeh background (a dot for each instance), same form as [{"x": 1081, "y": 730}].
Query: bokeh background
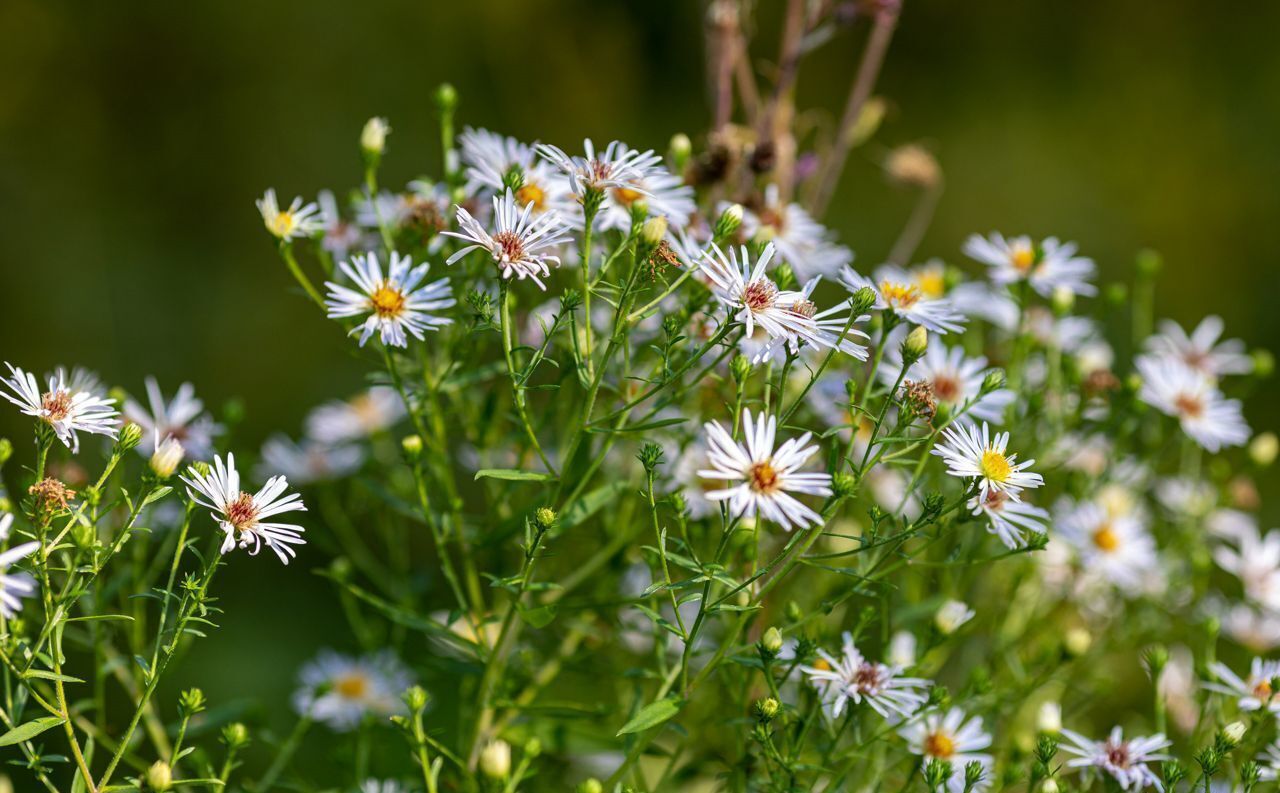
[{"x": 135, "y": 136}]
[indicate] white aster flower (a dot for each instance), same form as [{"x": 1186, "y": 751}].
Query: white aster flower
[
  {"x": 761, "y": 475},
  {"x": 971, "y": 453},
  {"x": 955, "y": 379},
  {"x": 182, "y": 418},
  {"x": 802, "y": 242},
  {"x": 788, "y": 317},
  {"x": 1117, "y": 549},
  {"x": 1177, "y": 390},
  {"x": 1254, "y": 628},
  {"x": 1011, "y": 521},
  {"x": 1254, "y": 692},
  {"x": 1256, "y": 562},
  {"x": 981, "y": 300},
  {"x": 339, "y": 235},
  {"x": 64, "y": 408},
  {"x": 339, "y": 690},
  {"x": 902, "y": 650},
  {"x": 1127, "y": 761},
  {"x": 241, "y": 515},
  {"x": 666, "y": 194},
  {"x": 394, "y": 303},
  {"x": 896, "y": 292},
  {"x": 852, "y": 677},
  {"x": 1269, "y": 763},
  {"x": 952, "y": 615},
  {"x": 951, "y": 738},
  {"x": 617, "y": 166},
  {"x": 308, "y": 461},
  {"x": 517, "y": 240},
  {"x": 490, "y": 159},
  {"x": 361, "y": 416},
  {"x": 1201, "y": 349},
  {"x": 1047, "y": 266},
  {"x": 14, "y": 586},
  {"x": 286, "y": 224}
]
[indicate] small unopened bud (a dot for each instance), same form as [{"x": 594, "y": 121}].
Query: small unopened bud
[
  {"x": 6, "y": 450},
  {"x": 591, "y": 785},
  {"x": 1157, "y": 656},
  {"x": 1264, "y": 363},
  {"x": 1064, "y": 299},
  {"x": 1149, "y": 262},
  {"x": 844, "y": 485},
  {"x": 1049, "y": 786},
  {"x": 191, "y": 701},
  {"x": 532, "y": 747},
  {"x": 914, "y": 345},
  {"x": 728, "y": 222},
  {"x": 654, "y": 231},
  {"x": 159, "y": 777},
  {"x": 902, "y": 650},
  {"x": 130, "y": 437},
  {"x": 973, "y": 772},
  {"x": 1234, "y": 732},
  {"x": 951, "y": 616},
  {"x": 993, "y": 381},
  {"x": 740, "y": 368},
  {"x": 167, "y": 457},
  {"x": 446, "y": 98},
  {"x": 862, "y": 301},
  {"x": 771, "y": 642},
  {"x": 1263, "y": 449},
  {"x": 873, "y": 112},
  {"x": 793, "y": 611},
  {"x": 936, "y": 773},
  {"x": 679, "y": 150},
  {"x": 415, "y": 698},
  {"x": 545, "y": 517},
  {"x": 235, "y": 735},
  {"x": 373, "y": 138},
  {"x": 912, "y": 166},
  {"x": 767, "y": 708},
  {"x": 1077, "y": 641},
  {"x": 1049, "y": 718},
  {"x": 1116, "y": 294},
  {"x": 412, "y": 446},
  {"x": 495, "y": 760}
]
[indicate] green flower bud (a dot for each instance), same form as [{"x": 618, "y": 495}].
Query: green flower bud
[
  {"x": 679, "y": 150},
  {"x": 844, "y": 485},
  {"x": 1077, "y": 642},
  {"x": 159, "y": 777},
  {"x": 1063, "y": 300},
  {"x": 235, "y": 735},
  {"x": 794, "y": 612},
  {"x": 1263, "y": 362},
  {"x": 728, "y": 222},
  {"x": 862, "y": 301},
  {"x": 373, "y": 138},
  {"x": 1263, "y": 449},
  {"x": 740, "y": 368},
  {"x": 767, "y": 708},
  {"x": 993, "y": 381},
  {"x": 914, "y": 345},
  {"x": 653, "y": 231},
  {"x": 446, "y": 98},
  {"x": 771, "y": 642},
  {"x": 191, "y": 701},
  {"x": 415, "y": 698},
  {"x": 591, "y": 785},
  {"x": 6, "y": 450},
  {"x": 532, "y": 747},
  {"x": 545, "y": 517},
  {"x": 495, "y": 759},
  {"x": 412, "y": 446},
  {"x": 1149, "y": 263},
  {"x": 130, "y": 437}
]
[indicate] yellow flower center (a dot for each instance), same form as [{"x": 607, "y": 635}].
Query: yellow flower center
[
  {"x": 1189, "y": 406},
  {"x": 1022, "y": 258},
  {"x": 530, "y": 193},
  {"x": 931, "y": 283},
  {"x": 387, "y": 301},
  {"x": 764, "y": 479},
  {"x": 352, "y": 686},
  {"x": 995, "y": 466},
  {"x": 822, "y": 664},
  {"x": 282, "y": 224},
  {"x": 899, "y": 295},
  {"x": 939, "y": 745},
  {"x": 1262, "y": 690},
  {"x": 626, "y": 196},
  {"x": 1106, "y": 539}
]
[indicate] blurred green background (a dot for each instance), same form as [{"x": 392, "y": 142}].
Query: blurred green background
[{"x": 134, "y": 138}]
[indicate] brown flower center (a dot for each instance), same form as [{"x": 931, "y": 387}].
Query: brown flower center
[
  {"x": 1117, "y": 754},
  {"x": 763, "y": 478},
  {"x": 759, "y": 295},
  {"x": 946, "y": 388},
  {"x": 242, "y": 513},
  {"x": 508, "y": 246},
  {"x": 867, "y": 678},
  {"x": 1189, "y": 406},
  {"x": 56, "y": 404},
  {"x": 1262, "y": 690},
  {"x": 804, "y": 308}
]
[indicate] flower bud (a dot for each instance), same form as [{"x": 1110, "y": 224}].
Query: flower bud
[
  {"x": 844, "y": 484},
  {"x": 412, "y": 446},
  {"x": 740, "y": 368},
  {"x": 653, "y": 231},
  {"x": 1077, "y": 641},
  {"x": 793, "y": 611},
  {"x": 6, "y": 450},
  {"x": 728, "y": 222},
  {"x": 495, "y": 759},
  {"x": 415, "y": 698},
  {"x": 1263, "y": 362},
  {"x": 1234, "y": 732},
  {"x": 993, "y": 381},
  {"x": 973, "y": 772},
  {"x": 235, "y": 735},
  {"x": 1049, "y": 718},
  {"x": 679, "y": 150},
  {"x": 767, "y": 708},
  {"x": 591, "y": 785},
  {"x": 914, "y": 345},
  {"x": 159, "y": 777},
  {"x": 1063, "y": 300},
  {"x": 1263, "y": 449},
  {"x": 873, "y": 112},
  {"x": 191, "y": 701},
  {"x": 544, "y": 517},
  {"x": 951, "y": 616},
  {"x": 532, "y": 747},
  {"x": 130, "y": 437},
  {"x": 862, "y": 301},
  {"x": 373, "y": 138},
  {"x": 167, "y": 457},
  {"x": 1149, "y": 262},
  {"x": 446, "y": 98},
  {"x": 771, "y": 642},
  {"x": 1049, "y": 786},
  {"x": 902, "y": 650},
  {"x": 913, "y": 166}
]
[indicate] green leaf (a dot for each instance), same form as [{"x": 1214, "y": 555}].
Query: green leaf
[
  {"x": 539, "y": 617},
  {"x": 652, "y": 715},
  {"x": 25, "y": 732},
  {"x": 46, "y": 675},
  {"x": 156, "y": 495},
  {"x": 514, "y": 474}
]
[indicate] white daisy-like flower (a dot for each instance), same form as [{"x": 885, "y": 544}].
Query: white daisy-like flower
[
  {"x": 952, "y": 615},
  {"x": 763, "y": 476},
  {"x": 1212, "y": 420},
  {"x": 1254, "y": 628},
  {"x": 382, "y": 786},
  {"x": 491, "y": 158},
  {"x": 788, "y": 317},
  {"x": 1127, "y": 761},
  {"x": 896, "y": 292},
  {"x": 951, "y": 738},
  {"x": 1256, "y": 562},
  {"x": 182, "y": 418},
  {"x": 1117, "y": 549},
  {"x": 361, "y": 416},
  {"x": 1201, "y": 349},
  {"x": 666, "y": 194},
  {"x": 1047, "y": 266},
  {"x": 802, "y": 242},
  {"x": 1269, "y": 763},
  {"x": 955, "y": 379},
  {"x": 394, "y": 303},
  {"x": 1254, "y": 692},
  {"x": 14, "y": 586},
  {"x": 241, "y": 515},
  {"x": 617, "y": 166},
  {"x": 517, "y": 241},
  {"x": 1012, "y": 521},
  {"x": 852, "y": 677},
  {"x": 971, "y": 453},
  {"x": 67, "y": 410},
  {"x": 340, "y": 690},
  {"x": 308, "y": 461},
  {"x": 981, "y": 300},
  {"x": 298, "y": 220},
  {"x": 340, "y": 237}
]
